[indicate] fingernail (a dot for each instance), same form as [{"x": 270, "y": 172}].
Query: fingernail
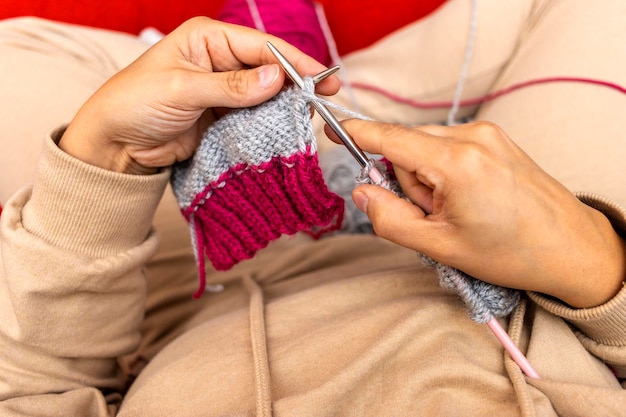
[
  {"x": 267, "y": 75},
  {"x": 360, "y": 199}
]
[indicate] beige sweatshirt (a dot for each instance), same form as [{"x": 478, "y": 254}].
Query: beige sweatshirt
[{"x": 347, "y": 325}]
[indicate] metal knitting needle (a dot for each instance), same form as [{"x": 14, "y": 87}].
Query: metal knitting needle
[
  {"x": 328, "y": 117},
  {"x": 317, "y": 78}
]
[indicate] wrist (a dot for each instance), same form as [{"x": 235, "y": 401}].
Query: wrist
[
  {"x": 107, "y": 212},
  {"x": 600, "y": 275},
  {"x": 91, "y": 148}
]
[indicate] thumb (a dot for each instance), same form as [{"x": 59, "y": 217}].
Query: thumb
[
  {"x": 392, "y": 217},
  {"x": 239, "y": 88}
]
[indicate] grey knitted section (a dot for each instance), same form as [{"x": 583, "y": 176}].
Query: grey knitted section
[
  {"x": 342, "y": 174},
  {"x": 483, "y": 300},
  {"x": 340, "y": 171},
  {"x": 246, "y": 138}
]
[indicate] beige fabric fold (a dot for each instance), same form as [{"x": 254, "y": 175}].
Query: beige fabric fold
[{"x": 259, "y": 348}]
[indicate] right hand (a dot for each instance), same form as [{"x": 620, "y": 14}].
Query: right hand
[{"x": 481, "y": 205}]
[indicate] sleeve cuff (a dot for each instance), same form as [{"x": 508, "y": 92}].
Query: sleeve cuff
[
  {"x": 605, "y": 324},
  {"x": 89, "y": 210}
]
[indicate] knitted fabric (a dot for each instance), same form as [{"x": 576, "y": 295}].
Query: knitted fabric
[
  {"x": 340, "y": 171},
  {"x": 483, "y": 300},
  {"x": 255, "y": 177}
]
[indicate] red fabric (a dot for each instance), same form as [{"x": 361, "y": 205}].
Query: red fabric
[
  {"x": 123, "y": 15},
  {"x": 249, "y": 206},
  {"x": 294, "y": 21},
  {"x": 357, "y": 24}
]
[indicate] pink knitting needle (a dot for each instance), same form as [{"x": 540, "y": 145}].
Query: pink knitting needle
[{"x": 512, "y": 349}]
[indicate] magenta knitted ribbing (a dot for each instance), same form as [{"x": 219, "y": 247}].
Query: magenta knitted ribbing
[
  {"x": 255, "y": 177},
  {"x": 251, "y": 206}
]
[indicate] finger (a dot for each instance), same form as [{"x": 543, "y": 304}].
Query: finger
[
  {"x": 414, "y": 186},
  {"x": 229, "y": 44},
  {"x": 416, "y": 191},
  {"x": 232, "y": 89},
  {"x": 405, "y": 147},
  {"x": 393, "y": 218}
]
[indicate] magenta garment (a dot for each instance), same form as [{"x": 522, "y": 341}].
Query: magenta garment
[{"x": 295, "y": 21}]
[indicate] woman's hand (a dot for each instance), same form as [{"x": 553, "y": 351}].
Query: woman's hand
[
  {"x": 481, "y": 205},
  {"x": 153, "y": 113}
]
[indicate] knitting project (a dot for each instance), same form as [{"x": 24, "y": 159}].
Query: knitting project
[{"x": 255, "y": 177}]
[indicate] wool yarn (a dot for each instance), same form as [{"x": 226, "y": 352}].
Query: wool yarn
[
  {"x": 254, "y": 177},
  {"x": 484, "y": 301}
]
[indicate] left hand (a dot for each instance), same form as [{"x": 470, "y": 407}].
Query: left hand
[{"x": 152, "y": 113}]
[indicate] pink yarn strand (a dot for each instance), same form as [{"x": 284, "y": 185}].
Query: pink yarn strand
[{"x": 488, "y": 97}]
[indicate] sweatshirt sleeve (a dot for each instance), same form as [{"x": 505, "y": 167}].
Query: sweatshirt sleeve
[
  {"x": 72, "y": 290},
  {"x": 601, "y": 329}
]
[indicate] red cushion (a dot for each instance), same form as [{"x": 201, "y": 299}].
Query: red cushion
[
  {"x": 355, "y": 23},
  {"x": 124, "y": 15}
]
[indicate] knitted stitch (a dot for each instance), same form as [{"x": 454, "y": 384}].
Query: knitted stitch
[
  {"x": 254, "y": 177},
  {"x": 339, "y": 171},
  {"x": 483, "y": 300}
]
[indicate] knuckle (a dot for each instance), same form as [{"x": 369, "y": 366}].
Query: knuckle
[
  {"x": 470, "y": 155},
  {"x": 399, "y": 130},
  {"x": 484, "y": 126},
  {"x": 379, "y": 228},
  {"x": 381, "y": 222},
  {"x": 176, "y": 83},
  {"x": 236, "y": 86},
  {"x": 487, "y": 133},
  {"x": 394, "y": 136},
  {"x": 477, "y": 145}
]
